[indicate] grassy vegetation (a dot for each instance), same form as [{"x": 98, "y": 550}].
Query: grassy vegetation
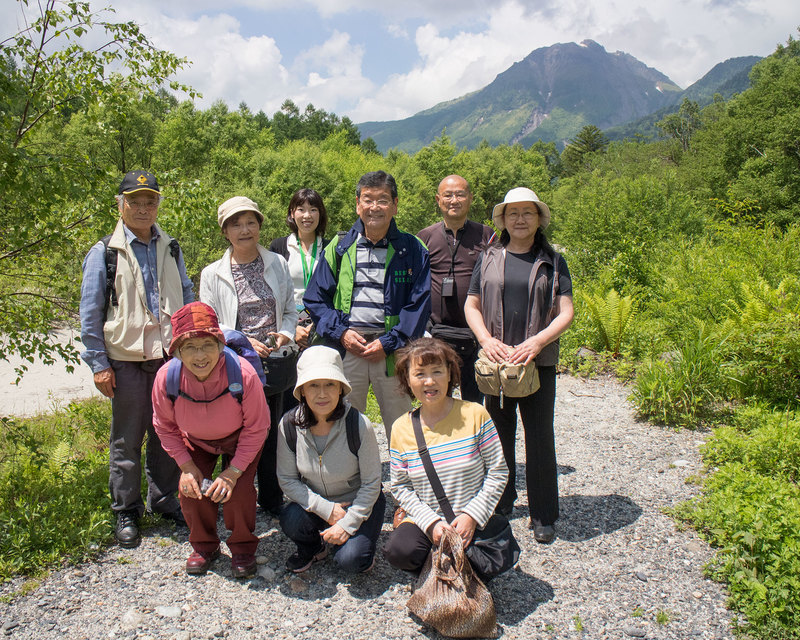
[{"x": 54, "y": 502}]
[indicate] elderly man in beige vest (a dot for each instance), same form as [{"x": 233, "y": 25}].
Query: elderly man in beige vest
[{"x": 133, "y": 281}]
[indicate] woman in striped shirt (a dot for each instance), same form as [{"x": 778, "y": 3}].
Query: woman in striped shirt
[{"x": 464, "y": 448}]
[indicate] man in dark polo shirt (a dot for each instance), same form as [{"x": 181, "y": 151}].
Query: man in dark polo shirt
[{"x": 454, "y": 245}]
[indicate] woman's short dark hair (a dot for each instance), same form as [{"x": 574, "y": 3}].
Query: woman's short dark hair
[
  {"x": 303, "y": 417},
  {"x": 540, "y": 242},
  {"x": 425, "y": 351},
  {"x": 303, "y": 196}
]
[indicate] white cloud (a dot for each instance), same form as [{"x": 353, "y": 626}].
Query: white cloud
[
  {"x": 333, "y": 74},
  {"x": 398, "y": 31},
  {"x": 461, "y": 44},
  {"x": 225, "y": 65},
  {"x": 451, "y": 66}
]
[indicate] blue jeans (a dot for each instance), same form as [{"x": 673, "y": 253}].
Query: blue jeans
[{"x": 355, "y": 555}]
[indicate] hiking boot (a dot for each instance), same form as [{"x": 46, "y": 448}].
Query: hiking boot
[
  {"x": 199, "y": 562},
  {"x": 243, "y": 565},
  {"x": 127, "y": 529},
  {"x": 542, "y": 533},
  {"x": 301, "y": 560}
]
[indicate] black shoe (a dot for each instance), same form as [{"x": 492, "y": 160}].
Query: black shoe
[
  {"x": 543, "y": 533},
  {"x": 176, "y": 517},
  {"x": 127, "y": 529},
  {"x": 301, "y": 561}
]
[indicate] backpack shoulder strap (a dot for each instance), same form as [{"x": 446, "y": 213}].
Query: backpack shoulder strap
[
  {"x": 174, "y": 249},
  {"x": 290, "y": 431},
  {"x": 239, "y": 343},
  {"x": 174, "y": 379},
  {"x": 111, "y": 275},
  {"x": 340, "y": 235},
  {"x": 353, "y": 434},
  {"x": 234, "y": 370}
]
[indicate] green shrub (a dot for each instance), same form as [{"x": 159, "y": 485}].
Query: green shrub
[
  {"x": 764, "y": 342},
  {"x": 755, "y": 520},
  {"x": 685, "y": 388},
  {"x": 767, "y": 443},
  {"x": 46, "y": 517},
  {"x": 611, "y": 314}
]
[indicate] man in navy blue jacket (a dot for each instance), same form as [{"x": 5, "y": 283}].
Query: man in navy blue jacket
[{"x": 371, "y": 295}]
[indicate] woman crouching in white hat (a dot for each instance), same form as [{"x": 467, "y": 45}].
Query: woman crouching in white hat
[{"x": 331, "y": 472}]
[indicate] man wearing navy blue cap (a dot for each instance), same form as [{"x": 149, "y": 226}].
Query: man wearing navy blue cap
[{"x": 133, "y": 281}]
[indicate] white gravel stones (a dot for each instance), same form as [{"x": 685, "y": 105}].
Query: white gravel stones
[{"x": 619, "y": 566}]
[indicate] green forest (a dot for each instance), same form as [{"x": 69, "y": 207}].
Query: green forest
[{"x": 684, "y": 252}]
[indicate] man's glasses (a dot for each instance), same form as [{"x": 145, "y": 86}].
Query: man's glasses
[
  {"x": 457, "y": 195},
  {"x": 369, "y": 204}
]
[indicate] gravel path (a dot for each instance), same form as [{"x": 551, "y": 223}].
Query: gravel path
[{"x": 619, "y": 567}]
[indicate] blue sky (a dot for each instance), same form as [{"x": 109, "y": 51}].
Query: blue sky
[{"x": 383, "y": 61}]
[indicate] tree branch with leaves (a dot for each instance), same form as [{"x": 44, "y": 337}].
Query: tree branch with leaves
[{"x": 66, "y": 60}]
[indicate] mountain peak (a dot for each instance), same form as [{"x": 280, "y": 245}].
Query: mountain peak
[{"x": 549, "y": 95}]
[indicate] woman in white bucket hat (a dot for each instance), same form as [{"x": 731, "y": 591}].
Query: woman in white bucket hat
[
  {"x": 330, "y": 470},
  {"x": 518, "y": 304}
]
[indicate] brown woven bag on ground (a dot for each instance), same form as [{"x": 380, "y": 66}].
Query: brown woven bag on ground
[{"x": 449, "y": 596}]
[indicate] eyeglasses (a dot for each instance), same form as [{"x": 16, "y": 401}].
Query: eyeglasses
[
  {"x": 458, "y": 195},
  {"x": 207, "y": 348},
  {"x": 369, "y": 204},
  {"x": 525, "y": 215},
  {"x": 145, "y": 203}
]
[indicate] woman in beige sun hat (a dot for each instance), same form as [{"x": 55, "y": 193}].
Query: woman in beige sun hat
[
  {"x": 251, "y": 290},
  {"x": 329, "y": 468},
  {"x": 518, "y": 304}
]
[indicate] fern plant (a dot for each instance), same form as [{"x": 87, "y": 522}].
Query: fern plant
[
  {"x": 760, "y": 302},
  {"x": 611, "y": 315},
  {"x": 763, "y": 351}
]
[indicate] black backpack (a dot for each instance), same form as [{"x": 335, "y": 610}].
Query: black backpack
[
  {"x": 351, "y": 427},
  {"x": 111, "y": 270}
]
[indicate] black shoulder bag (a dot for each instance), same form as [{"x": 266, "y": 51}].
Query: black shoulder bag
[{"x": 493, "y": 549}]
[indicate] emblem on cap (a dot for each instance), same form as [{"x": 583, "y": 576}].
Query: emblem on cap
[{"x": 142, "y": 179}]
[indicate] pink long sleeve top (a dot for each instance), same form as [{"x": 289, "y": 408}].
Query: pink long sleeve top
[{"x": 211, "y": 420}]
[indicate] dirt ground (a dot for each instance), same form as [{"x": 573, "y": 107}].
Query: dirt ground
[{"x": 43, "y": 387}]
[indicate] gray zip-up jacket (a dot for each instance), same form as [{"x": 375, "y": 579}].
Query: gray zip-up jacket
[{"x": 318, "y": 481}]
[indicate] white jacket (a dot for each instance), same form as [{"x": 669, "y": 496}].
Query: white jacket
[{"x": 218, "y": 290}]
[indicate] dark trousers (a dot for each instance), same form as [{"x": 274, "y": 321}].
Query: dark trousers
[
  {"x": 131, "y": 419},
  {"x": 239, "y": 513},
  {"x": 469, "y": 387},
  {"x": 407, "y": 548},
  {"x": 541, "y": 476},
  {"x": 270, "y": 496},
  {"x": 355, "y": 555}
]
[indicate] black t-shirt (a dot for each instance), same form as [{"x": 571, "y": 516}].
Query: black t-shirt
[{"x": 516, "y": 274}]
